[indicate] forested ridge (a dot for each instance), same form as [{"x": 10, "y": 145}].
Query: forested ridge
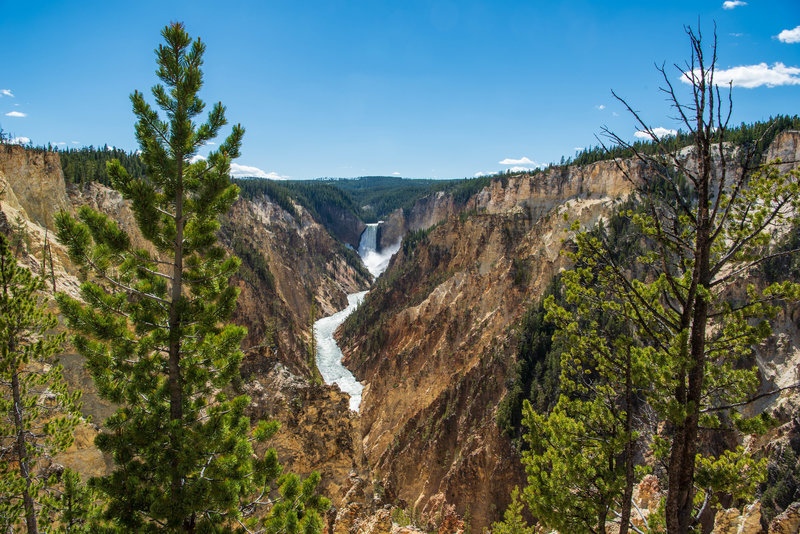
[{"x": 373, "y": 198}]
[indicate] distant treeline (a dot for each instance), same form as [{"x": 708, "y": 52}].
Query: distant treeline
[
  {"x": 88, "y": 164},
  {"x": 746, "y": 135},
  {"x": 372, "y": 198}
]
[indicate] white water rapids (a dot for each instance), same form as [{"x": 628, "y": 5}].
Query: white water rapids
[{"x": 329, "y": 356}]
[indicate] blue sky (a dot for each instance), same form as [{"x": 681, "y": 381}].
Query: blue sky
[{"x": 443, "y": 89}]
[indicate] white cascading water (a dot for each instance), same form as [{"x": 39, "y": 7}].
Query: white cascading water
[
  {"x": 375, "y": 261},
  {"x": 329, "y": 356}
]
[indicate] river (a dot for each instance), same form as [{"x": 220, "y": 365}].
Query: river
[{"x": 329, "y": 356}]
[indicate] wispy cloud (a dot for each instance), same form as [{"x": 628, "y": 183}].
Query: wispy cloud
[
  {"x": 484, "y": 173},
  {"x": 19, "y": 140},
  {"x": 16, "y": 114},
  {"x": 6, "y": 92},
  {"x": 395, "y": 173},
  {"x": 601, "y": 107},
  {"x": 731, "y": 4},
  {"x": 751, "y": 76},
  {"x": 242, "y": 171},
  {"x": 659, "y": 131},
  {"x": 245, "y": 171},
  {"x": 790, "y": 36},
  {"x": 521, "y": 161}
]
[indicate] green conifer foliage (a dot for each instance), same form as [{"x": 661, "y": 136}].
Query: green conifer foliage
[
  {"x": 37, "y": 413},
  {"x": 513, "y": 521},
  {"x": 153, "y": 328},
  {"x": 667, "y": 329}
]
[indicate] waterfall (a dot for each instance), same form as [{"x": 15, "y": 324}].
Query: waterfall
[
  {"x": 376, "y": 261},
  {"x": 329, "y": 356},
  {"x": 369, "y": 240}
]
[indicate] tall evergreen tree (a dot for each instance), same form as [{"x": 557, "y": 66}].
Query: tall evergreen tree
[
  {"x": 712, "y": 218},
  {"x": 37, "y": 413},
  {"x": 153, "y": 329},
  {"x": 686, "y": 321}
]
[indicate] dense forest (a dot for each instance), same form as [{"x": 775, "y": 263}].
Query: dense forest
[{"x": 88, "y": 164}]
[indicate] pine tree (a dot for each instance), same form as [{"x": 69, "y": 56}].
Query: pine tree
[
  {"x": 20, "y": 239},
  {"x": 513, "y": 522},
  {"x": 153, "y": 331},
  {"x": 686, "y": 321},
  {"x": 580, "y": 463},
  {"x": 37, "y": 413}
]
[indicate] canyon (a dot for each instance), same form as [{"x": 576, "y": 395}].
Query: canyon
[{"x": 434, "y": 342}]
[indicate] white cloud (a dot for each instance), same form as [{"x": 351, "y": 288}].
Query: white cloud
[
  {"x": 60, "y": 143},
  {"x": 577, "y": 148},
  {"x": 601, "y": 107},
  {"x": 730, "y": 4},
  {"x": 736, "y": 34},
  {"x": 16, "y": 114},
  {"x": 521, "y": 161},
  {"x": 395, "y": 173},
  {"x": 614, "y": 113},
  {"x": 525, "y": 169},
  {"x": 245, "y": 171},
  {"x": 242, "y": 171},
  {"x": 6, "y": 92},
  {"x": 750, "y": 76},
  {"x": 790, "y": 36},
  {"x": 484, "y": 173},
  {"x": 75, "y": 142},
  {"x": 19, "y": 140},
  {"x": 658, "y": 131}
]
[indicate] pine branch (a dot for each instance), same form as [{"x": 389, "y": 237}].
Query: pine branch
[{"x": 751, "y": 400}]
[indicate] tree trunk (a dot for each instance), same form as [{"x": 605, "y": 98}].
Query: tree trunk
[
  {"x": 627, "y": 495},
  {"x": 175, "y": 381},
  {"x": 680, "y": 493},
  {"x": 22, "y": 453}
]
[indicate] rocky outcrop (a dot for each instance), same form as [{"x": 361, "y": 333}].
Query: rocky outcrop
[
  {"x": 343, "y": 224},
  {"x": 788, "y": 522},
  {"x": 392, "y": 229},
  {"x": 785, "y": 147},
  {"x": 318, "y": 430},
  {"x": 35, "y": 183},
  {"x": 732, "y": 521},
  {"x": 537, "y": 194},
  {"x": 426, "y": 212}
]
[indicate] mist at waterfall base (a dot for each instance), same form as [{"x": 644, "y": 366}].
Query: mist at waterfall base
[
  {"x": 329, "y": 356},
  {"x": 375, "y": 261}
]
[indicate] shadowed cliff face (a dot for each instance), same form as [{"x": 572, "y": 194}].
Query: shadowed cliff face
[{"x": 286, "y": 265}]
